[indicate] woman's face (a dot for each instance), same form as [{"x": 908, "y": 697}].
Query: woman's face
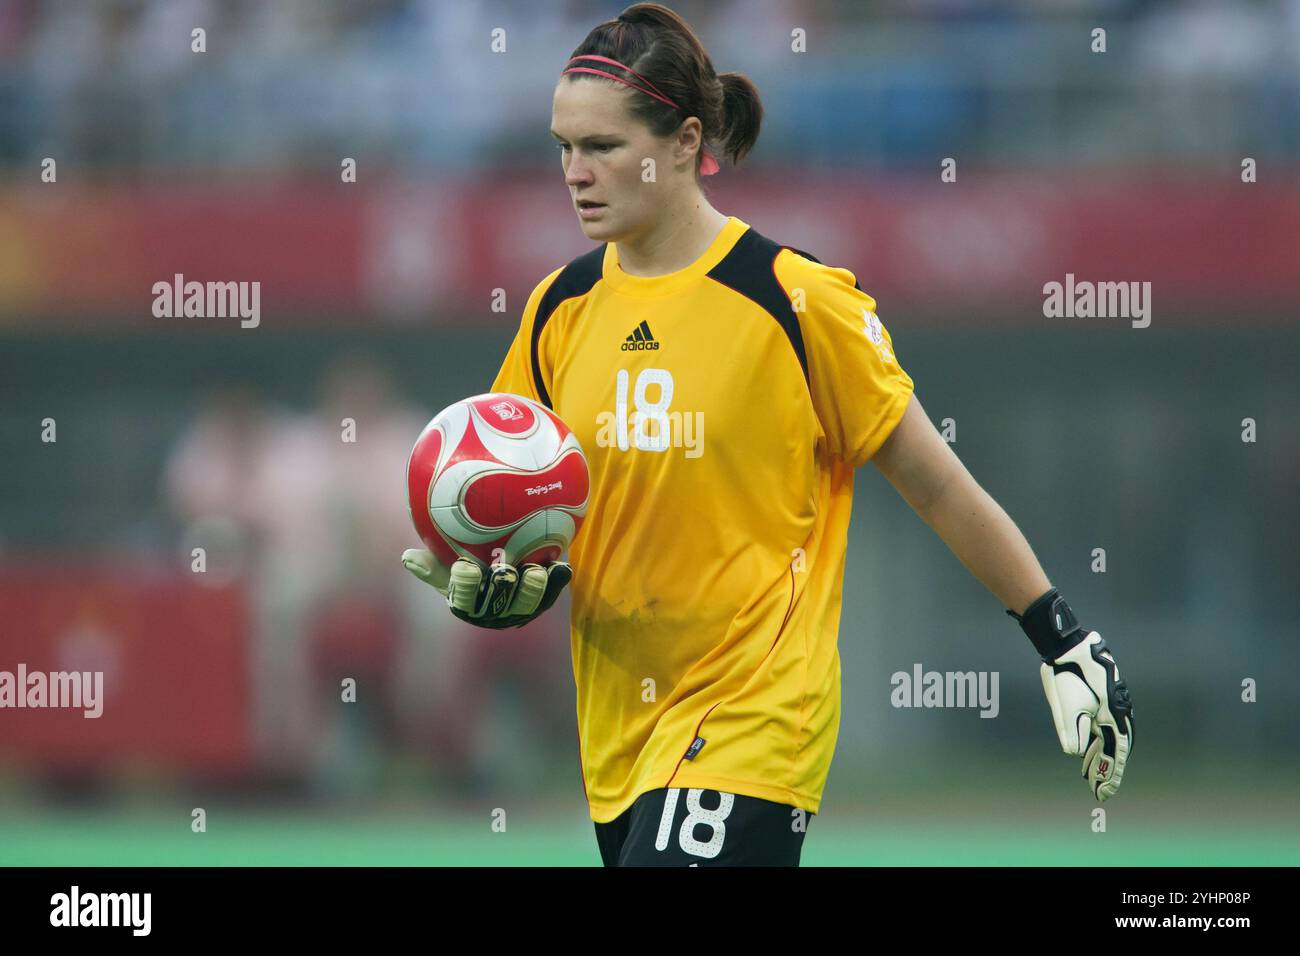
[{"x": 604, "y": 152}]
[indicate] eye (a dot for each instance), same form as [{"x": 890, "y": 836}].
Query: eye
[
  {"x": 603, "y": 147},
  {"x": 562, "y": 146}
]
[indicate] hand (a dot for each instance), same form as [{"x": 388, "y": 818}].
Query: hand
[
  {"x": 1092, "y": 712},
  {"x": 503, "y": 597},
  {"x": 1090, "y": 703}
]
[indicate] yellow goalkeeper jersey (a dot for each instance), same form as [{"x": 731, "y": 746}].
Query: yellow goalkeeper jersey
[{"x": 722, "y": 409}]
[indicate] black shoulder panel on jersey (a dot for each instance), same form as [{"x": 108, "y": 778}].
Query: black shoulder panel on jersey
[
  {"x": 575, "y": 280},
  {"x": 749, "y": 268}
]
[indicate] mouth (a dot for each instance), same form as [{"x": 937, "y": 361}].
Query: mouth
[{"x": 584, "y": 204}]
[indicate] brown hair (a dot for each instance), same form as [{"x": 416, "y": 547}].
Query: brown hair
[{"x": 661, "y": 46}]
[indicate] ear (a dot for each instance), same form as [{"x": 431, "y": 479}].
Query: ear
[{"x": 690, "y": 140}]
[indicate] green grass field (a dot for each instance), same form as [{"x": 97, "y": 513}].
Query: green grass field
[
  {"x": 923, "y": 815},
  {"x": 297, "y": 839}
]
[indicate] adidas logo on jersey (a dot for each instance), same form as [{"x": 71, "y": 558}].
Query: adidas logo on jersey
[{"x": 640, "y": 340}]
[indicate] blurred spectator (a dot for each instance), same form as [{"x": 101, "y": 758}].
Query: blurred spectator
[
  {"x": 427, "y": 85},
  {"x": 358, "y": 629},
  {"x": 264, "y": 472},
  {"x": 506, "y": 706},
  {"x": 311, "y": 510}
]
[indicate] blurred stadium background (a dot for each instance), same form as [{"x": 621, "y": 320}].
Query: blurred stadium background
[{"x": 222, "y": 688}]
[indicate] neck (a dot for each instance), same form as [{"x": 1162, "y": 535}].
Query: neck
[{"x": 674, "y": 242}]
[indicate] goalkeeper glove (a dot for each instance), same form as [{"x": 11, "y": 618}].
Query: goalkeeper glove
[
  {"x": 1090, "y": 703},
  {"x": 502, "y": 597}
]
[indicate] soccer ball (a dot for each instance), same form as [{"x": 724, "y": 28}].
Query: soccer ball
[{"x": 498, "y": 479}]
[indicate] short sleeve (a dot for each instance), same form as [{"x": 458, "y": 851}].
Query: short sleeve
[
  {"x": 859, "y": 390},
  {"x": 517, "y": 372}
]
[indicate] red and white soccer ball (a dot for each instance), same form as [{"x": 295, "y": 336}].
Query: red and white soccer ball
[{"x": 497, "y": 478}]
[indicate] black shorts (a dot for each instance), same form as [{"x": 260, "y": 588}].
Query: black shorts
[{"x": 680, "y": 827}]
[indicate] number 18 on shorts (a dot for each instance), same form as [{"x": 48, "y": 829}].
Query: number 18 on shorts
[{"x": 680, "y": 827}]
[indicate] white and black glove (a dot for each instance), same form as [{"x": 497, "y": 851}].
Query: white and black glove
[
  {"x": 502, "y": 597},
  {"x": 1090, "y": 703}
]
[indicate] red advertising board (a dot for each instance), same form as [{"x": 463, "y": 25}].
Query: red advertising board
[
  {"x": 438, "y": 251},
  {"x": 172, "y": 663}
]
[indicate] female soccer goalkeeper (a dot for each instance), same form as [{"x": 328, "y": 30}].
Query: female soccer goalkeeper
[{"x": 724, "y": 388}]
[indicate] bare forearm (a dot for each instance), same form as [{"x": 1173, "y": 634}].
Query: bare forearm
[{"x": 985, "y": 539}]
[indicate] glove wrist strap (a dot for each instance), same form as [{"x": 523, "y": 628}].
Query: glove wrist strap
[{"x": 1050, "y": 625}]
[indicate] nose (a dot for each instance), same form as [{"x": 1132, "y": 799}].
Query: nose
[{"x": 577, "y": 173}]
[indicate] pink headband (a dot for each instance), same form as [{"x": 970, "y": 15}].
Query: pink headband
[{"x": 708, "y": 164}]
